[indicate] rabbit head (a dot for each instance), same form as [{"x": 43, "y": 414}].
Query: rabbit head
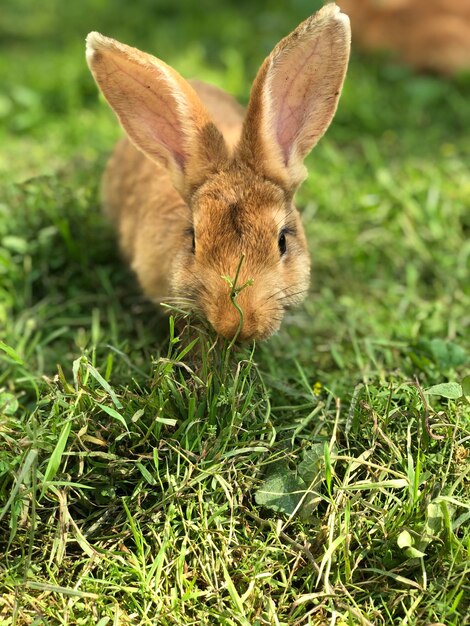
[{"x": 241, "y": 220}]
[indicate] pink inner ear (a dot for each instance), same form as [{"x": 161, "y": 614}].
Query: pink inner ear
[
  {"x": 146, "y": 107},
  {"x": 159, "y": 121},
  {"x": 296, "y": 96}
]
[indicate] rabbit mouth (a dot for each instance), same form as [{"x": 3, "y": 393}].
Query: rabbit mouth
[{"x": 245, "y": 325}]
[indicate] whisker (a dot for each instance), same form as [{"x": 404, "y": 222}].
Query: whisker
[
  {"x": 273, "y": 295},
  {"x": 177, "y": 299},
  {"x": 293, "y": 295},
  {"x": 287, "y": 293}
]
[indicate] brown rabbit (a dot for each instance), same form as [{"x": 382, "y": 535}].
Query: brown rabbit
[
  {"x": 200, "y": 192},
  {"x": 428, "y": 34}
]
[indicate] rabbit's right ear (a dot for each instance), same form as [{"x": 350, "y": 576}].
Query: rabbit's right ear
[
  {"x": 295, "y": 95},
  {"x": 158, "y": 109}
]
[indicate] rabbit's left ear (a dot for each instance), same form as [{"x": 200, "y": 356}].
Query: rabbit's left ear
[{"x": 295, "y": 95}]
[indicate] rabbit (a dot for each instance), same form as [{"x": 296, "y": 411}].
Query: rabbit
[
  {"x": 202, "y": 194},
  {"x": 429, "y": 35}
]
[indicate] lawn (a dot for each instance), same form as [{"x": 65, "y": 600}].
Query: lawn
[{"x": 319, "y": 478}]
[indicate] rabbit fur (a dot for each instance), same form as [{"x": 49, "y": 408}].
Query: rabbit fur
[{"x": 200, "y": 191}]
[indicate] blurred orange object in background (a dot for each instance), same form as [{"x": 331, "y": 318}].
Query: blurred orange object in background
[{"x": 429, "y": 35}]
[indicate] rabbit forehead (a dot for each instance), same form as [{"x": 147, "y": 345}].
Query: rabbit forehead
[{"x": 239, "y": 198}]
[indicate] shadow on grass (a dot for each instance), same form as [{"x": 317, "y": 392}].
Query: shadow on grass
[{"x": 65, "y": 289}]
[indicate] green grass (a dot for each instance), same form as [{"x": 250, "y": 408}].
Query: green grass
[{"x": 310, "y": 480}]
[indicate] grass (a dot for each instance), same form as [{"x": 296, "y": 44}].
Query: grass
[{"x": 308, "y": 480}]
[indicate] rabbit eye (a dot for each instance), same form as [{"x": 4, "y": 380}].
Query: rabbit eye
[
  {"x": 281, "y": 242},
  {"x": 193, "y": 239}
]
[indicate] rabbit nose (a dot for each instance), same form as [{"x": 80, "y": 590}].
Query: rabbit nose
[{"x": 230, "y": 325}]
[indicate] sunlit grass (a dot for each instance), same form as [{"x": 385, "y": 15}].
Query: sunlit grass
[{"x": 147, "y": 479}]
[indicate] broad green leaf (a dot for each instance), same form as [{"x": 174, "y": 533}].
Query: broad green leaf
[
  {"x": 407, "y": 543},
  {"x": 282, "y": 490},
  {"x": 446, "y": 390},
  {"x": 405, "y": 540},
  {"x": 445, "y": 354},
  {"x": 8, "y": 403},
  {"x": 434, "y": 521},
  {"x": 414, "y": 553}
]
